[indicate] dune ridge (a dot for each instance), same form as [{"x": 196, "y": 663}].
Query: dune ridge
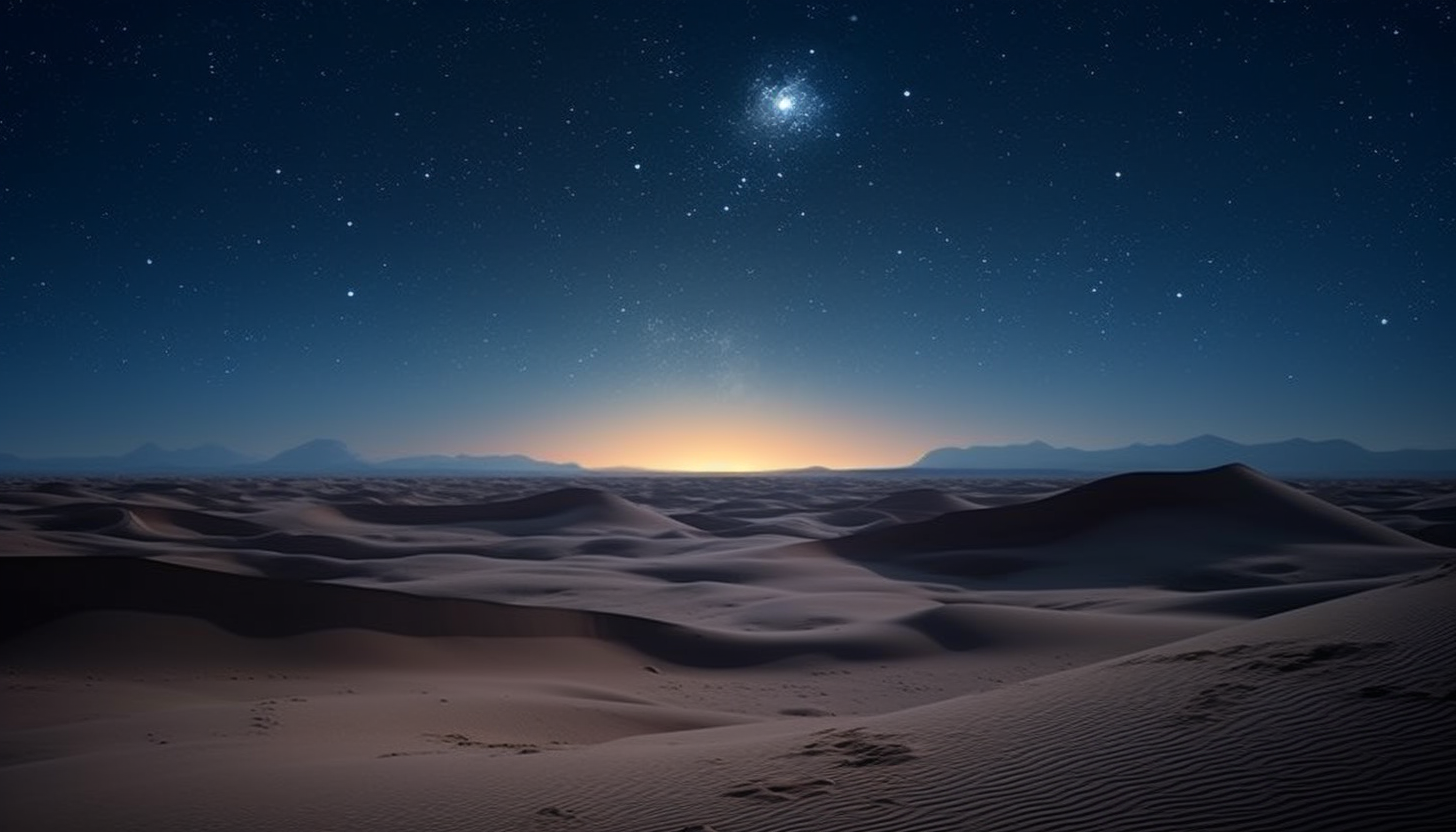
[
  {"x": 559, "y": 509},
  {"x": 1228, "y": 527},
  {"x": 34, "y": 591},
  {"x": 1233, "y": 491}
]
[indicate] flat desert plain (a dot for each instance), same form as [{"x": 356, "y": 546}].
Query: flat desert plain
[{"x": 1160, "y": 651}]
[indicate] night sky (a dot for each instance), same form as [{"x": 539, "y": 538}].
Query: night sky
[{"x": 725, "y": 234}]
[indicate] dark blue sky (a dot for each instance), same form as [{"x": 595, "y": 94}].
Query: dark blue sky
[{"x": 734, "y": 234}]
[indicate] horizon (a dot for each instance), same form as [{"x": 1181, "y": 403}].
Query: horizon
[
  {"x": 376, "y": 455},
  {"x": 253, "y": 458},
  {"x": 727, "y": 237}
]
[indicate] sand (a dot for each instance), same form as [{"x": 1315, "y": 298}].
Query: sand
[{"x": 1215, "y": 650}]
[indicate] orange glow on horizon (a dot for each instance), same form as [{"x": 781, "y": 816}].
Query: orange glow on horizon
[{"x": 719, "y": 436}]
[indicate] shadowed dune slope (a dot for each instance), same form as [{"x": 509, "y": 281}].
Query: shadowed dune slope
[
  {"x": 139, "y": 521},
  {"x": 37, "y": 590},
  {"x": 918, "y": 503},
  {"x": 1224, "y": 528},
  {"x": 558, "y": 510},
  {"x": 1231, "y": 492}
]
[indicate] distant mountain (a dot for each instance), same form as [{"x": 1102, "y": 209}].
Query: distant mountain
[
  {"x": 153, "y": 456},
  {"x": 466, "y": 464},
  {"x": 319, "y": 456},
  {"x": 1292, "y": 457},
  {"x": 149, "y": 458}
]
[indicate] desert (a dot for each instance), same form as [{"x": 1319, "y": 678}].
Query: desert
[
  {"x": 751, "y": 416},
  {"x": 1198, "y": 650}
]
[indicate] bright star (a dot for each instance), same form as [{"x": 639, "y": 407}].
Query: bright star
[{"x": 782, "y": 110}]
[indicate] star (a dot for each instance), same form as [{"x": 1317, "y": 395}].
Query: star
[{"x": 786, "y": 109}]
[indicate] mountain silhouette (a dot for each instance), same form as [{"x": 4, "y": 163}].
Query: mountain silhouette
[
  {"x": 1291, "y": 457},
  {"x": 316, "y": 456}
]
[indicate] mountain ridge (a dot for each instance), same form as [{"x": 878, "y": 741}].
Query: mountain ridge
[
  {"x": 316, "y": 456},
  {"x": 1289, "y": 457}
]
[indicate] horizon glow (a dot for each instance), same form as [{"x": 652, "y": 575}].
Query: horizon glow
[{"x": 689, "y": 434}]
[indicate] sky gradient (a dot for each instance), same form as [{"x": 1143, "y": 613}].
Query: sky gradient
[{"x": 725, "y": 234}]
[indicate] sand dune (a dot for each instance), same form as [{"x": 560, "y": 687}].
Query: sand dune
[
  {"x": 1203, "y": 499},
  {"x": 1225, "y": 528},
  {"x": 921, "y": 503},
  {"x": 1214, "y": 650},
  {"x": 583, "y": 510}
]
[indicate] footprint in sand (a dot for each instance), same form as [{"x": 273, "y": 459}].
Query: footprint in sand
[
  {"x": 770, "y": 791},
  {"x": 857, "y": 747},
  {"x": 1211, "y": 702},
  {"x": 263, "y": 716},
  {"x": 463, "y": 741}
]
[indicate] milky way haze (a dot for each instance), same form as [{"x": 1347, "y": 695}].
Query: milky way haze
[{"x": 725, "y": 235}]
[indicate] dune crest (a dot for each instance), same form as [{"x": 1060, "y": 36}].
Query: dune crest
[
  {"x": 1227, "y": 527},
  {"x": 564, "y": 509},
  {"x": 1228, "y": 492}
]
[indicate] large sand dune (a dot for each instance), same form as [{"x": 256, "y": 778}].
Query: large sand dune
[{"x": 1214, "y": 650}]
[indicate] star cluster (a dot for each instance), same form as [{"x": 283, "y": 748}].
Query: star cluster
[{"x": 786, "y": 111}]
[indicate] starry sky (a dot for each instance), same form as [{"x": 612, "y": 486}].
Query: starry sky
[{"x": 725, "y": 235}]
